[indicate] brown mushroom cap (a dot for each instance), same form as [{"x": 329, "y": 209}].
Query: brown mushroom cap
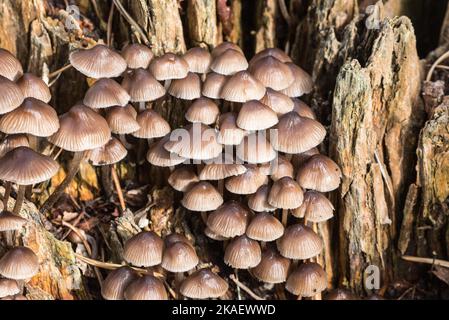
[
  {"x": 202, "y": 110},
  {"x": 187, "y": 88},
  {"x": 25, "y": 166},
  {"x": 303, "y": 83},
  {"x": 179, "y": 256},
  {"x": 8, "y": 287},
  {"x": 158, "y": 156},
  {"x": 10, "y": 221},
  {"x": 106, "y": 93},
  {"x": 182, "y": 179},
  {"x": 285, "y": 194},
  {"x": 255, "y": 148},
  {"x": 146, "y": 288},
  {"x": 152, "y": 125},
  {"x": 202, "y": 197},
  {"x": 229, "y": 62},
  {"x": 122, "y": 120},
  {"x": 137, "y": 55},
  {"x": 144, "y": 249},
  {"x": 278, "y": 102},
  {"x": 242, "y": 253},
  {"x": 81, "y": 129},
  {"x": 242, "y": 87},
  {"x": 303, "y": 109},
  {"x": 212, "y": 235},
  {"x": 272, "y": 73},
  {"x": 224, "y": 46},
  {"x": 229, "y": 133},
  {"x": 307, "y": 280},
  {"x": 299, "y": 242},
  {"x": 264, "y": 227},
  {"x": 300, "y": 158},
  {"x": 19, "y": 263},
  {"x": 34, "y": 87},
  {"x": 13, "y": 141},
  {"x": 10, "y": 67},
  {"x": 246, "y": 183},
  {"x": 273, "y": 268},
  {"x": 259, "y": 200},
  {"x": 281, "y": 167},
  {"x": 98, "y": 62},
  {"x": 271, "y": 52},
  {"x": 32, "y": 117},
  {"x": 112, "y": 152},
  {"x": 229, "y": 220},
  {"x": 195, "y": 141},
  {"x": 296, "y": 134},
  {"x": 220, "y": 168},
  {"x": 114, "y": 285},
  {"x": 315, "y": 207},
  {"x": 319, "y": 173},
  {"x": 203, "y": 284},
  {"x": 254, "y": 115},
  {"x": 198, "y": 59},
  {"x": 169, "y": 66},
  {"x": 213, "y": 84},
  {"x": 176, "y": 237},
  {"x": 142, "y": 86},
  {"x": 11, "y": 96}
]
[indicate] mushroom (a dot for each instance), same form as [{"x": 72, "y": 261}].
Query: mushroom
[
  {"x": 213, "y": 84},
  {"x": 222, "y": 47},
  {"x": 169, "y": 66},
  {"x": 182, "y": 179},
  {"x": 81, "y": 129},
  {"x": 202, "y": 197},
  {"x": 229, "y": 62},
  {"x": 271, "y": 52},
  {"x": 272, "y": 73},
  {"x": 108, "y": 155},
  {"x": 242, "y": 87},
  {"x": 142, "y": 86},
  {"x": 146, "y": 288},
  {"x": 302, "y": 84},
  {"x": 280, "y": 168},
  {"x": 229, "y": 220},
  {"x": 98, "y": 62},
  {"x": 285, "y": 194},
  {"x": 230, "y": 134},
  {"x": 113, "y": 287},
  {"x": 198, "y": 59},
  {"x": 188, "y": 88},
  {"x": 340, "y": 294},
  {"x": 299, "y": 243},
  {"x": 8, "y": 287},
  {"x": 264, "y": 227},
  {"x": 319, "y": 173},
  {"x": 144, "y": 249},
  {"x": 254, "y": 115},
  {"x": 247, "y": 182},
  {"x": 202, "y": 110},
  {"x": 137, "y": 55},
  {"x": 255, "y": 148},
  {"x": 303, "y": 109},
  {"x": 10, "y": 66},
  {"x": 24, "y": 167},
  {"x": 11, "y": 97},
  {"x": 308, "y": 280},
  {"x": 106, "y": 93},
  {"x": 315, "y": 207},
  {"x": 273, "y": 268},
  {"x": 278, "y": 102},
  {"x": 259, "y": 201},
  {"x": 203, "y": 284},
  {"x": 34, "y": 87},
  {"x": 19, "y": 263}
]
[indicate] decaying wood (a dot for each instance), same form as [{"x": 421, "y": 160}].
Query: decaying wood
[
  {"x": 202, "y": 20},
  {"x": 376, "y": 118},
  {"x": 59, "y": 277},
  {"x": 267, "y": 11}
]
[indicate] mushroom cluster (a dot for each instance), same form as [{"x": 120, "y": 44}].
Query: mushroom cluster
[
  {"x": 246, "y": 158},
  {"x": 26, "y": 119}
]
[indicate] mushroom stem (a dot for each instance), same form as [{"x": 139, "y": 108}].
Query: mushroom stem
[
  {"x": 204, "y": 216},
  {"x": 284, "y": 217},
  {"x": 118, "y": 188},
  {"x": 6, "y": 195},
  {"x": 221, "y": 186},
  {"x": 19, "y": 199},
  {"x": 236, "y": 280},
  {"x": 60, "y": 70},
  {"x": 106, "y": 176},
  {"x": 73, "y": 170}
]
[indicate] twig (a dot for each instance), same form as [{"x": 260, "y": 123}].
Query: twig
[
  {"x": 98, "y": 14},
  {"x": 59, "y": 71},
  {"x": 385, "y": 176},
  {"x": 113, "y": 266},
  {"x": 131, "y": 21},
  {"x": 284, "y": 11},
  {"x": 435, "y": 64},
  {"x": 402, "y": 296},
  {"x": 109, "y": 29},
  {"x": 435, "y": 262},
  {"x": 245, "y": 288},
  {"x": 118, "y": 188}
]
